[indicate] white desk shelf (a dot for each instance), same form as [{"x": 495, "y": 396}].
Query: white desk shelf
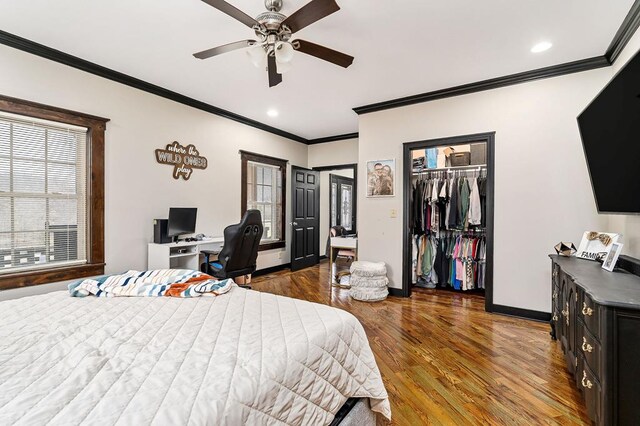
[
  {"x": 166, "y": 256},
  {"x": 337, "y": 243}
]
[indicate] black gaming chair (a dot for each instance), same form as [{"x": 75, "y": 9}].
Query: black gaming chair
[{"x": 240, "y": 250}]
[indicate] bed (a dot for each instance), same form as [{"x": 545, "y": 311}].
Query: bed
[{"x": 244, "y": 357}]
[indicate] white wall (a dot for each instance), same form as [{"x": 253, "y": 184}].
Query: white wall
[
  {"x": 333, "y": 153},
  {"x": 542, "y": 189},
  {"x": 628, "y": 225},
  {"x": 325, "y": 195},
  {"x": 137, "y": 188}
]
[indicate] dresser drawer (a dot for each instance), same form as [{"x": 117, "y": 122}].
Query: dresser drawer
[
  {"x": 590, "y": 313},
  {"x": 591, "y": 390},
  {"x": 590, "y": 349}
]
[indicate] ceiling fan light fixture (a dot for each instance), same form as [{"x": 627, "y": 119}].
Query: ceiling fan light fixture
[
  {"x": 284, "y": 52},
  {"x": 273, "y": 48},
  {"x": 258, "y": 56},
  {"x": 283, "y": 67}
]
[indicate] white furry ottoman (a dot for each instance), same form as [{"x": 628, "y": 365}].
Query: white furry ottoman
[{"x": 369, "y": 281}]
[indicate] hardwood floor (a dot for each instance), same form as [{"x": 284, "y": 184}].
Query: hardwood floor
[{"x": 445, "y": 361}]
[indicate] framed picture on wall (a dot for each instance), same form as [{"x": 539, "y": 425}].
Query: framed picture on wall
[{"x": 381, "y": 178}]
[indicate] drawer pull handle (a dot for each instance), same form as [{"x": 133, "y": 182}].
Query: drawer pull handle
[
  {"x": 586, "y": 383},
  {"x": 586, "y": 310},
  {"x": 565, "y": 313},
  {"x": 585, "y": 346}
]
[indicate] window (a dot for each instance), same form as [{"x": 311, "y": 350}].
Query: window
[
  {"x": 263, "y": 188},
  {"x": 42, "y": 194},
  {"x": 51, "y": 215}
]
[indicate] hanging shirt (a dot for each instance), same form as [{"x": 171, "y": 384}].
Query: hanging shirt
[
  {"x": 454, "y": 203},
  {"x": 475, "y": 213},
  {"x": 464, "y": 203},
  {"x": 435, "y": 208},
  {"x": 482, "y": 187}
]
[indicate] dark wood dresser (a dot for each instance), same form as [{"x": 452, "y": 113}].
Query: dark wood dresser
[{"x": 596, "y": 318}]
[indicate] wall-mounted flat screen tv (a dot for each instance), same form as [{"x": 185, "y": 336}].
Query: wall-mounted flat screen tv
[{"x": 610, "y": 130}]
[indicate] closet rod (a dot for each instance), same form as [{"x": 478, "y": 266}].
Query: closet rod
[{"x": 441, "y": 169}]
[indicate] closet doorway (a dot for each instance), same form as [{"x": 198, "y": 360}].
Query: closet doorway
[{"x": 448, "y": 190}]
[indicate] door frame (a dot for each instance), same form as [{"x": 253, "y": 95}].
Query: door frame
[
  {"x": 407, "y": 147},
  {"x": 354, "y": 167},
  {"x": 354, "y": 226}
]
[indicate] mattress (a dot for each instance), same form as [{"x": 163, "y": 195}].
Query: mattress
[{"x": 241, "y": 358}]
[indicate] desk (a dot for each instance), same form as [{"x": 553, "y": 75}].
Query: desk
[
  {"x": 341, "y": 243},
  {"x": 182, "y": 255}
]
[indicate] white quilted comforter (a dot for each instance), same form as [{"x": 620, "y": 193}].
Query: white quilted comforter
[{"x": 241, "y": 358}]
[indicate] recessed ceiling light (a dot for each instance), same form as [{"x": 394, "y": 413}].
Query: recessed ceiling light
[
  {"x": 541, "y": 47},
  {"x": 272, "y": 113}
]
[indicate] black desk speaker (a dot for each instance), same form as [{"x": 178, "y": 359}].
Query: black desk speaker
[{"x": 160, "y": 231}]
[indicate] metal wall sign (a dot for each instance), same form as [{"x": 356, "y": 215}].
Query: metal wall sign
[{"x": 183, "y": 159}]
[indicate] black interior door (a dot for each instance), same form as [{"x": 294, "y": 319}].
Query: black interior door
[
  {"x": 341, "y": 202},
  {"x": 305, "y": 187}
]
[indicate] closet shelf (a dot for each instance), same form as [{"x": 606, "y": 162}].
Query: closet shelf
[{"x": 452, "y": 168}]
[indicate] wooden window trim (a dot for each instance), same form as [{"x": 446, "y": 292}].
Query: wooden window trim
[
  {"x": 95, "y": 194},
  {"x": 247, "y": 156}
]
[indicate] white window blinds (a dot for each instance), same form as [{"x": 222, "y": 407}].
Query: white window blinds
[
  {"x": 264, "y": 193},
  {"x": 43, "y": 194}
]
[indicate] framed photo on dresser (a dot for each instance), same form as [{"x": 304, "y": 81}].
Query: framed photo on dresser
[
  {"x": 612, "y": 257},
  {"x": 596, "y": 245}
]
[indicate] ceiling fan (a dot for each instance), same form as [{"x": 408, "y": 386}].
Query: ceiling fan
[{"x": 274, "y": 47}]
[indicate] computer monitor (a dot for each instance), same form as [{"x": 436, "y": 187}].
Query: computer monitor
[{"x": 181, "y": 221}]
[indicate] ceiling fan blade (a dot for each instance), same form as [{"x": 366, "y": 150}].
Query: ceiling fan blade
[
  {"x": 324, "y": 53},
  {"x": 310, "y": 13},
  {"x": 224, "y": 49},
  {"x": 232, "y": 11},
  {"x": 274, "y": 77}
]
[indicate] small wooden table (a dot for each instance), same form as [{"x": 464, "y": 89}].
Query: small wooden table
[{"x": 345, "y": 243}]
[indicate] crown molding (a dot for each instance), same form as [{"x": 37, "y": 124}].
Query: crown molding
[
  {"x": 333, "y": 138},
  {"x": 625, "y": 32},
  {"x": 627, "y": 29},
  {"x": 494, "y": 83},
  {"x": 46, "y": 52}
]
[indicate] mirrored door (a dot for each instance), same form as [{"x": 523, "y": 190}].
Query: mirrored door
[{"x": 341, "y": 203}]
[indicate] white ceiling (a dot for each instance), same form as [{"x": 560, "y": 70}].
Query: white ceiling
[{"x": 401, "y": 48}]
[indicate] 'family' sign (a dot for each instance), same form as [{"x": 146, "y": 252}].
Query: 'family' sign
[{"x": 183, "y": 159}]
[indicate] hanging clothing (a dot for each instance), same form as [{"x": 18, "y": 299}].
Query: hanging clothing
[
  {"x": 454, "y": 202},
  {"x": 448, "y": 248},
  {"x": 414, "y": 260},
  {"x": 464, "y": 203},
  {"x": 482, "y": 190},
  {"x": 475, "y": 213}
]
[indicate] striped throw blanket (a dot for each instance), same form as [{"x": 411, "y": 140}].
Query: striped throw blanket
[{"x": 154, "y": 283}]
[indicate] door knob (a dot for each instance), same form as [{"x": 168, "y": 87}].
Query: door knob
[{"x": 293, "y": 223}]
